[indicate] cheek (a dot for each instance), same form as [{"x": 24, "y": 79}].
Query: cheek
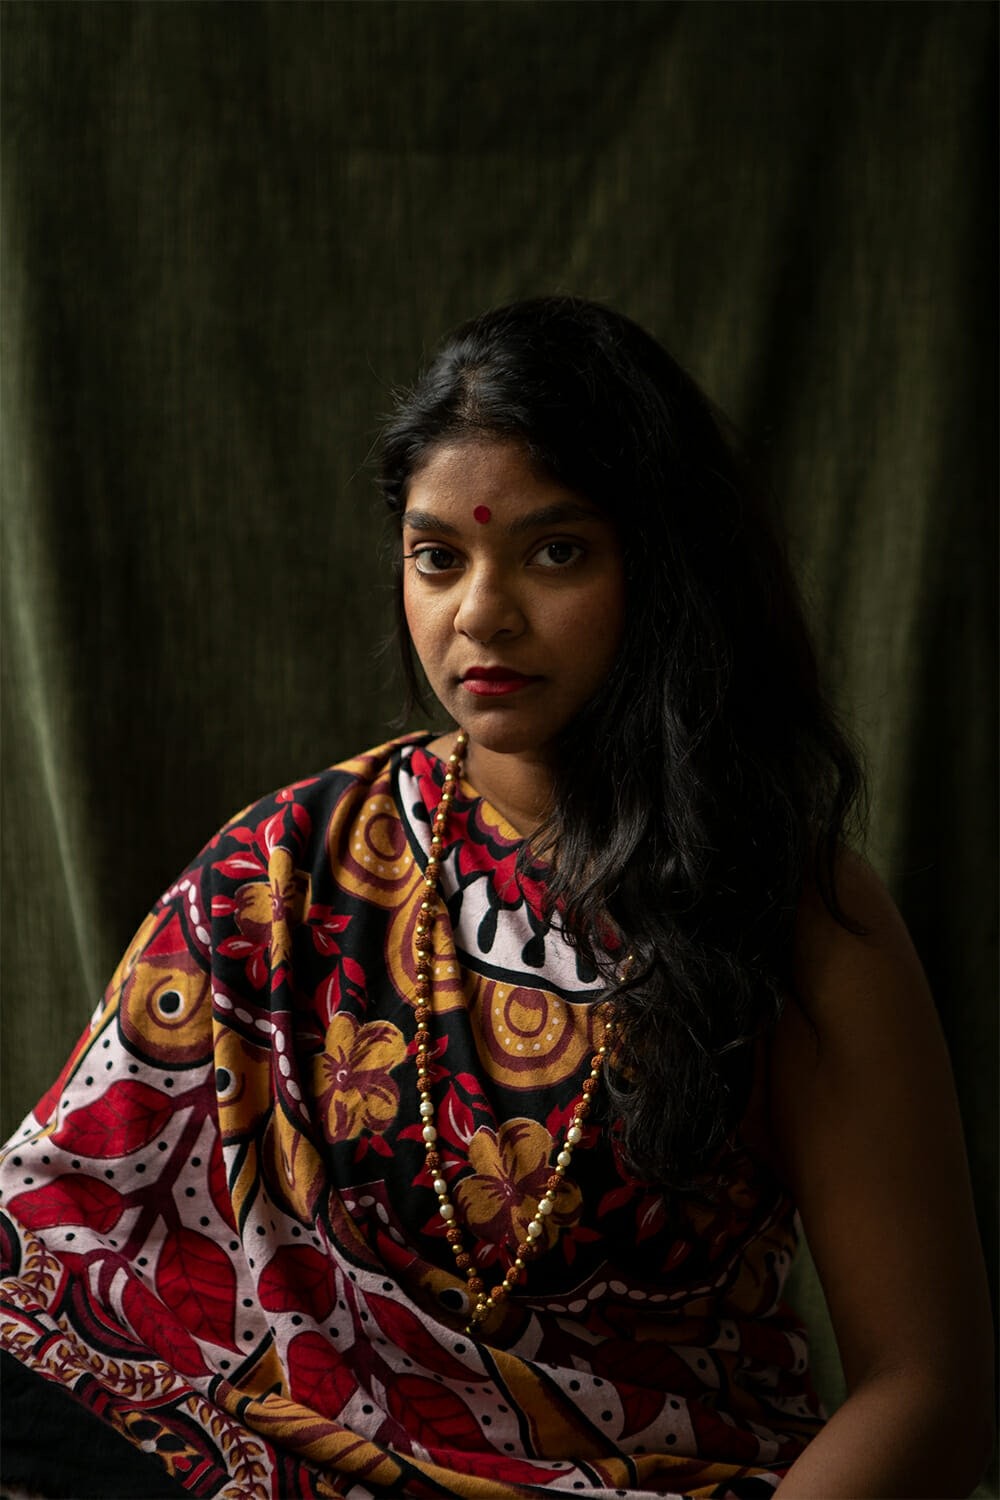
[
  {"x": 422, "y": 622},
  {"x": 408, "y": 607},
  {"x": 606, "y": 627},
  {"x": 412, "y": 612},
  {"x": 600, "y": 618}
]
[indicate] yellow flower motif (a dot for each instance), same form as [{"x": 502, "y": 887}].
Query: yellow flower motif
[
  {"x": 265, "y": 913},
  {"x": 511, "y": 1171},
  {"x": 351, "y": 1076}
]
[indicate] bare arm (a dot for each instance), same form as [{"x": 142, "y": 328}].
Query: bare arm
[{"x": 868, "y": 1133}]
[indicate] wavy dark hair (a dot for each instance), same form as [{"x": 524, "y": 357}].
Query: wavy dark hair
[{"x": 707, "y": 780}]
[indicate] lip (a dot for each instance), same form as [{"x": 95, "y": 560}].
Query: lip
[{"x": 494, "y": 682}]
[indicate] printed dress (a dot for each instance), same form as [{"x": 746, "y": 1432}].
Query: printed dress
[{"x": 221, "y": 1236}]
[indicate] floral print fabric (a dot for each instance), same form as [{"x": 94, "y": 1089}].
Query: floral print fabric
[{"x": 220, "y": 1234}]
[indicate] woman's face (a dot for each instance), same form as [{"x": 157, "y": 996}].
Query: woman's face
[{"x": 514, "y": 593}]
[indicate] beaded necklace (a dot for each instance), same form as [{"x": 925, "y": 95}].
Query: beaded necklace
[{"x": 483, "y": 1301}]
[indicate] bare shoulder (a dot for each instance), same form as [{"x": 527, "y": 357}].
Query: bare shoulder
[
  {"x": 854, "y": 988},
  {"x": 859, "y": 1040},
  {"x": 866, "y": 1130}
]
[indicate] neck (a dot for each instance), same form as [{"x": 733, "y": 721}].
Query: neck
[{"x": 518, "y": 785}]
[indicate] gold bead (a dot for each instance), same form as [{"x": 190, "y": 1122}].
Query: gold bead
[{"x": 483, "y": 1299}]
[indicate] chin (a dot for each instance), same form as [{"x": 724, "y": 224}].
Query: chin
[{"x": 513, "y": 736}]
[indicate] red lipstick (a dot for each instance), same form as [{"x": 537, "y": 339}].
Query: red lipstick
[{"x": 493, "y": 682}]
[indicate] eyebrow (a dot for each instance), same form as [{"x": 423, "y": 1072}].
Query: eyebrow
[{"x": 549, "y": 515}]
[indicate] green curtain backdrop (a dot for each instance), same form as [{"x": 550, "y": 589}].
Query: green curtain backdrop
[{"x": 230, "y": 230}]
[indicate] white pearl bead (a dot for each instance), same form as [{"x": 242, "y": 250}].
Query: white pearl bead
[{"x": 425, "y": 974}]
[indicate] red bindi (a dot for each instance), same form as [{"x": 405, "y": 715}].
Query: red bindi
[{"x": 482, "y": 514}]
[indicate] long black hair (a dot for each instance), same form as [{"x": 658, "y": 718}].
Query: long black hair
[{"x": 707, "y": 781}]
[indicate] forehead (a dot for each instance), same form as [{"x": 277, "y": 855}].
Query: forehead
[{"x": 492, "y": 473}]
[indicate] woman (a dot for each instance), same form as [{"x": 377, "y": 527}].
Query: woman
[{"x": 442, "y": 1129}]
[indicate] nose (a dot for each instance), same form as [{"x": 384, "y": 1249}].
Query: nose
[{"x": 488, "y": 608}]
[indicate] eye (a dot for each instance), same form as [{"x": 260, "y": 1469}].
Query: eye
[
  {"x": 558, "y": 555},
  {"x": 432, "y": 559}
]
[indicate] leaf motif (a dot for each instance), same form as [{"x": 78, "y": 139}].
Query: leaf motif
[
  {"x": 328, "y": 918},
  {"x": 456, "y": 1121},
  {"x": 71, "y": 1199},
  {"x": 473, "y": 1088},
  {"x": 236, "y": 947},
  {"x": 652, "y": 1217},
  {"x": 678, "y": 1253},
  {"x": 640, "y": 1407},
  {"x": 273, "y": 830},
  {"x": 160, "y": 1330},
  {"x": 196, "y": 1280},
  {"x": 633, "y": 1364},
  {"x": 616, "y": 1198},
  {"x": 353, "y": 971},
  {"x": 329, "y": 997},
  {"x": 218, "y": 1185},
  {"x": 432, "y": 1414},
  {"x": 256, "y": 970},
  {"x": 505, "y": 1470},
  {"x": 242, "y": 835},
  {"x": 297, "y": 1279},
  {"x": 127, "y": 1117},
  {"x": 318, "y": 1376},
  {"x": 405, "y": 1331},
  {"x": 239, "y": 866}
]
